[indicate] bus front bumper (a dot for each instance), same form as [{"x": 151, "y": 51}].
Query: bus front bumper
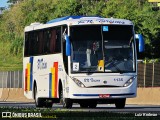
[{"x": 101, "y": 93}]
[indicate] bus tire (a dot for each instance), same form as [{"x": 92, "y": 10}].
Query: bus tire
[
  {"x": 83, "y": 105},
  {"x": 66, "y": 102},
  {"x": 39, "y": 102},
  {"x": 48, "y": 104},
  {"x": 93, "y": 105},
  {"x": 120, "y": 103}
]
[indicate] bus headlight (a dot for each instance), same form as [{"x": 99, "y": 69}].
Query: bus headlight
[
  {"x": 78, "y": 82},
  {"x": 129, "y": 82}
]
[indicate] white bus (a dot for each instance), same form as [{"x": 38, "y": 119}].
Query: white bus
[{"x": 77, "y": 59}]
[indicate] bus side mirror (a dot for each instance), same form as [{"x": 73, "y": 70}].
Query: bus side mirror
[
  {"x": 140, "y": 41},
  {"x": 68, "y": 45}
]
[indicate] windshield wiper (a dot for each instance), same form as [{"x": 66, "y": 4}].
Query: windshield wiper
[
  {"x": 89, "y": 71},
  {"x": 115, "y": 66}
]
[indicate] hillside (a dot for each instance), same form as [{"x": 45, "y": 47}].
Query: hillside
[
  {"x": 13, "y": 21},
  {"x": 9, "y": 61}
]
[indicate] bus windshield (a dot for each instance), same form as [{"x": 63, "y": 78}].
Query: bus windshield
[{"x": 102, "y": 48}]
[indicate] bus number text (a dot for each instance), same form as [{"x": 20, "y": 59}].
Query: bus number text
[{"x": 118, "y": 79}]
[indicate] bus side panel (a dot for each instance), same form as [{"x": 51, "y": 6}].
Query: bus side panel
[
  {"x": 53, "y": 80},
  {"x": 47, "y": 71},
  {"x": 27, "y": 77}
]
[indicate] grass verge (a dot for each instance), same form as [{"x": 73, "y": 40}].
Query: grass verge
[
  {"x": 42, "y": 113},
  {"x": 9, "y": 61}
]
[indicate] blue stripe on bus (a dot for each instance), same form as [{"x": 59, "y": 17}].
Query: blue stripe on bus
[
  {"x": 50, "y": 84},
  {"x": 85, "y": 94},
  {"x": 122, "y": 94},
  {"x": 31, "y": 72},
  {"x": 88, "y": 95},
  {"x": 31, "y": 80}
]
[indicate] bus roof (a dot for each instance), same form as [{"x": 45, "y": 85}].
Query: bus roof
[
  {"x": 70, "y": 17},
  {"x": 78, "y": 20}
]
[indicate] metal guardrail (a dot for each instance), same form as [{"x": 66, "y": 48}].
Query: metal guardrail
[
  {"x": 149, "y": 75},
  {"x": 11, "y": 79}
]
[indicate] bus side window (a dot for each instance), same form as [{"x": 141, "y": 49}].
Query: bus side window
[
  {"x": 26, "y": 50},
  {"x": 53, "y": 41},
  {"x": 31, "y": 41},
  {"x": 58, "y": 40},
  {"x": 40, "y": 43},
  {"x": 47, "y": 36},
  {"x": 35, "y": 43},
  {"x": 29, "y": 44}
]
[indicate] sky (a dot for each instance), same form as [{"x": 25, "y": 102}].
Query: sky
[{"x": 3, "y": 3}]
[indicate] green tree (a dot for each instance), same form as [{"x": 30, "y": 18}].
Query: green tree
[
  {"x": 145, "y": 20},
  {"x": 14, "y": 19},
  {"x": 14, "y": 1}
]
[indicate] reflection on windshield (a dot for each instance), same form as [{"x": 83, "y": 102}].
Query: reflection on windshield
[
  {"x": 86, "y": 55},
  {"x": 94, "y": 50},
  {"x": 118, "y": 59}
]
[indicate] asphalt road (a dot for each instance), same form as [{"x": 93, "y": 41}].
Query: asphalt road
[{"x": 100, "y": 107}]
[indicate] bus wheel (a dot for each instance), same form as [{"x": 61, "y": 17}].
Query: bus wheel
[
  {"x": 66, "y": 102},
  {"x": 83, "y": 105},
  {"x": 39, "y": 102},
  {"x": 92, "y": 105},
  {"x": 120, "y": 103},
  {"x": 49, "y": 104}
]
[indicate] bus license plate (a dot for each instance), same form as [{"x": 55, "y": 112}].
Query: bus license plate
[{"x": 104, "y": 96}]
